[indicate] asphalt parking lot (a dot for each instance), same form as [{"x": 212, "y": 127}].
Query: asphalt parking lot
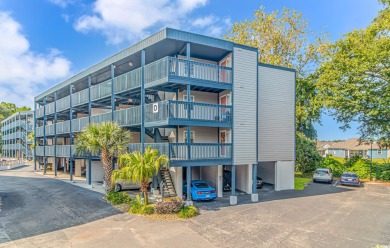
[
  {"x": 44, "y": 212},
  {"x": 321, "y": 215}
]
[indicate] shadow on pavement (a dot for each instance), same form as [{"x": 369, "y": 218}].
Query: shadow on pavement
[
  {"x": 269, "y": 194},
  {"x": 33, "y": 206}
]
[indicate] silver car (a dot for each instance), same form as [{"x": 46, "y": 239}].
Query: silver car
[
  {"x": 123, "y": 185},
  {"x": 322, "y": 175}
]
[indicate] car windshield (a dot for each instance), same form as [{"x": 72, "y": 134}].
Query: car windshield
[
  {"x": 322, "y": 171},
  {"x": 348, "y": 175},
  {"x": 201, "y": 185}
]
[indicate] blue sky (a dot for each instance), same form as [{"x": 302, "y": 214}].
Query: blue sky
[{"x": 45, "y": 41}]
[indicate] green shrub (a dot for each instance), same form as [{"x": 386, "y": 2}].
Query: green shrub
[
  {"x": 169, "y": 207},
  {"x": 331, "y": 163},
  {"x": 188, "y": 212},
  {"x": 362, "y": 168},
  {"x": 117, "y": 198},
  {"x": 137, "y": 207},
  {"x": 381, "y": 171}
]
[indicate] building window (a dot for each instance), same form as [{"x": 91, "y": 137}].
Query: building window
[
  {"x": 379, "y": 151},
  {"x": 192, "y": 139}
]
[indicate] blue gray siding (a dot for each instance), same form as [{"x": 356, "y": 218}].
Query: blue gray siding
[
  {"x": 375, "y": 154},
  {"x": 244, "y": 104},
  {"x": 276, "y": 127}
]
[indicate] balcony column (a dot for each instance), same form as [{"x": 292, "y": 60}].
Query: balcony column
[
  {"x": 35, "y": 134},
  {"x": 26, "y": 131},
  {"x": 188, "y": 57},
  {"x": 112, "y": 104},
  {"x": 143, "y": 101},
  {"x": 189, "y": 117},
  {"x": 89, "y": 121},
  {"x": 20, "y": 142},
  {"x": 254, "y": 196},
  {"x": 112, "y": 92},
  {"x": 55, "y": 133},
  {"x": 233, "y": 197},
  {"x": 188, "y": 179},
  {"x": 70, "y": 134},
  {"x": 44, "y": 136}
]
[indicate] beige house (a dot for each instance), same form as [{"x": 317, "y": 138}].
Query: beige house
[{"x": 351, "y": 147}]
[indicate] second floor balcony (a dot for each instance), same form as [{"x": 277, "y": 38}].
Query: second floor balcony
[{"x": 161, "y": 114}]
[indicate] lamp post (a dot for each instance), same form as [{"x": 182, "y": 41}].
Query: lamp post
[{"x": 371, "y": 141}]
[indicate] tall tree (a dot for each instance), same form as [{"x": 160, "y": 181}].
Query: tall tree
[
  {"x": 108, "y": 139},
  {"x": 307, "y": 156},
  {"x": 140, "y": 168},
  {"x": 283, "y": 39},
  {"x": 355, "y": 78}
]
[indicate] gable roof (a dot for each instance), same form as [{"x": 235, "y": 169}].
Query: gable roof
[{"x": 351, "y": 144}]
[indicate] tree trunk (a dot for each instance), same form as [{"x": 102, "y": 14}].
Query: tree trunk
[
  {"x": 144, "y": 189},
  {"x": 107, "y": 167}
]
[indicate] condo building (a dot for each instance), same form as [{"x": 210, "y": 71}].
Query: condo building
[{"x": 204, "y": 102}]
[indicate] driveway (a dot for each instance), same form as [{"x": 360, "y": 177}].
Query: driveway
[
  {"x": 43, "y": 212},
  {"x": 37, "y": 211},
  {"x": 321, "y": 215}
]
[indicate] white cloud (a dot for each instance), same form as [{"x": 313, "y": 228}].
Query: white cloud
[
  {"x": 120, "y": 20},
  {"x": 212, "y": 25},
  {"x": 204, "y": 21},
  {"x": 62, "y": 3},
  {"x": 23, "y": 72}
]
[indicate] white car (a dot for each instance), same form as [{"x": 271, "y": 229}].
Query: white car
[
  {"x": 322, "y": 175},
  {"x": 123, "y": 185}
]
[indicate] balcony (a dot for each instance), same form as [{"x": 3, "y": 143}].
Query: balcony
[
  {"x": 39, "y": 112},
  {"x": 175, "y": 70},
  {"x": 168, "y": 113},
  {"x": 200, "y": 153},
  {"x": 165, "y": 70},
  {"x": 39, "y": 132}
]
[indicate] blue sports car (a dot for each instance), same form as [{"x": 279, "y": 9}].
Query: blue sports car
[
  {"x": 349, "y": 178},
  {"x": 200, "y": 190}
]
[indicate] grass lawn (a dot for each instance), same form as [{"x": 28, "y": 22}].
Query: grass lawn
[{"x": 299, "y": 182}]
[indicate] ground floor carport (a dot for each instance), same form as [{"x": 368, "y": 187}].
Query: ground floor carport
[
  {"x": 220, "y": 177},
  {"x": 280, "y": 174}
]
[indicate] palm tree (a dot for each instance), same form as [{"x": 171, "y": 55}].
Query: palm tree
[
  {"x": 139, "y": 168},
  {"x": 109, "y": 139}
]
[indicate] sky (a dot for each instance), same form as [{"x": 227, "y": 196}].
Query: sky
[{"x": 43, "y": 42}]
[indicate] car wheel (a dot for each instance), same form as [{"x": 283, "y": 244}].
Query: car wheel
[
  {"x": 314, "y": 180},
  {"x": 118, "y": 187}
]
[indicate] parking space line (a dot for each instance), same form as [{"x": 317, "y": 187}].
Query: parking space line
[{"x": 334, "y": 185}]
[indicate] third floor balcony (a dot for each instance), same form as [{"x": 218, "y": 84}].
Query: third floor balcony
[{"x": 168, "y": 71}]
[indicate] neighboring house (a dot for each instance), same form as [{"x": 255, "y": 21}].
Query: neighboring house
[
  {"x": 15, "y": 130},
  {"x": 351, "y": 147},
  {"x": 205, "y": 102}
]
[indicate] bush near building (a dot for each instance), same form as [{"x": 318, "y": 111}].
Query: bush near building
[
  {"x": 358, "y": 165},
  {"x": 188, "y": 212},
  {"x": 117, "y": 198}
]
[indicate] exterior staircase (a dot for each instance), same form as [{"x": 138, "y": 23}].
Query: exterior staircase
[{"x": 168, "y": 189}]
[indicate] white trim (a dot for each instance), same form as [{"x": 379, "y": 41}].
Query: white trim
[{"x": 228, "y": 99}]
